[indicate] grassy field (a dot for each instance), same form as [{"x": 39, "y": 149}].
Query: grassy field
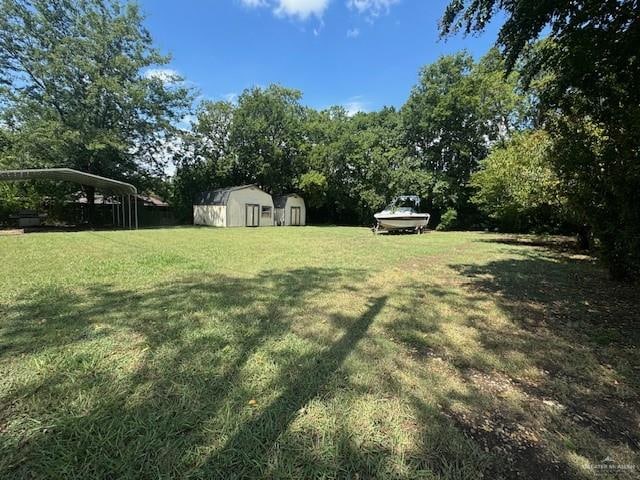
[{"x": 312, "y": 353}]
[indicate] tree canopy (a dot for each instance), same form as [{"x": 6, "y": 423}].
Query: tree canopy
[
  {"x": 518, "y": 187},
  {"x": 590, "y": 102},
  {"x": 458, "y": 110},
  {"x": 351, "y": 166},
  {"x": 77, "y": 89}
]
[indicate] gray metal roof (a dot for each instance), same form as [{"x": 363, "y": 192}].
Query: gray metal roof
[
  {"x": 219, "y": 196},
  {"x": 281, "y": 200},
  {"x": 68, "y": 175}
]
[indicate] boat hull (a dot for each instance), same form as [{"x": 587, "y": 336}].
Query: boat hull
[{"x": 402, "y": 222}]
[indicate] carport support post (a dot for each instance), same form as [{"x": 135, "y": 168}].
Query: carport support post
[
  {"x": 129, "y": 201},
  {"x": 135, "y": 205}
]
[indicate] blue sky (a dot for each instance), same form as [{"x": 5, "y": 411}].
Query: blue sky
[{"x": 362, "y": 54}]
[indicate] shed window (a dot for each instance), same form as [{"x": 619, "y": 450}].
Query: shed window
[{"x": 266, "y": 211}]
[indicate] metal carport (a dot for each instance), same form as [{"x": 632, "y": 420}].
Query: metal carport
[{"x": 124, "y": 190}]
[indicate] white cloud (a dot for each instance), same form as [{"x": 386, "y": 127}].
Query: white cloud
[
  {"x": 165, "y": 75},
  {"x": 355, "y": 105},
  {"x": 301, "y": 9},
  {"x": 353, "y": 33},
  {"x": 371, "y": 8}
]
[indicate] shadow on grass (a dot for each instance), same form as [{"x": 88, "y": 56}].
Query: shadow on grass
[
  {"x": 197, "y": 378},
  {"x": 555, "y": 243},
  {"x": 244, "y": 452},
  {"x": 522, "y": 366},
  {"x": 544, "y": 350},
  {"x": 56, "y": 317}
]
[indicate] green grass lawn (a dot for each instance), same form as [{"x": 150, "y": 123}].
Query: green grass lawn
[{"x": 312, "y": 353}]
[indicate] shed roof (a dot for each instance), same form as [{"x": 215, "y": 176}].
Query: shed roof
[
  {"x": 220, "y": 196},
  {"x": 281, "y": 200},
  {"x": 69, "y": 175}
]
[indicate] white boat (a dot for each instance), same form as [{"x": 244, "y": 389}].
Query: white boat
[{"x": 402, "y": 215}]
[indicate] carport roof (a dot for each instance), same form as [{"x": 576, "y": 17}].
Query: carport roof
[{"x": 68, "y": 175}]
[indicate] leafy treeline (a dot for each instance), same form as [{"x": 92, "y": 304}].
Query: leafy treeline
[
  {"x": 348, "y": 167},
  {"x": 538, "y": 135},
  {"x": 587, "y": 76}
]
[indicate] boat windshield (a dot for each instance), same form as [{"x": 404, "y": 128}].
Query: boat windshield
[
  {"x": 402, "y": 209},
  {"x": 405, "y": 204}
]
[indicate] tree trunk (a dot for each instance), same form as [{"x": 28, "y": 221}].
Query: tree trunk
[{"x": 584, "y": 237}]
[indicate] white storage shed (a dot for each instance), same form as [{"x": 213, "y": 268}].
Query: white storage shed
[
  {"x": 290, "y": 210},
  {"x": 243, "y": 206}
]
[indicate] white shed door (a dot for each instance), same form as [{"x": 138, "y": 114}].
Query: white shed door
[
  {"x": 295, "y": 215},
  {"x": 252, "y": 215}
]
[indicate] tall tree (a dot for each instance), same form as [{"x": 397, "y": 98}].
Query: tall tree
[
  {"x": 356, "y": 157},
  {"x": 205, "y": 158},
  {"x": 331, "y": 142},
  {"x": 592, "y": 99},
  {"x": 77, "y": 89},
  {"x": 454, "y": 114},
  {"x": 267, "y": 137}
]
